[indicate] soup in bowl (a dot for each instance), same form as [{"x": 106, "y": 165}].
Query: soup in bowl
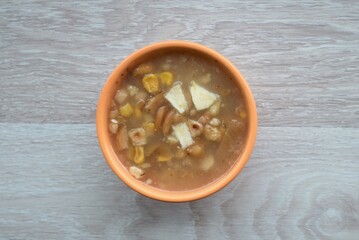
[{"x": 176, "y": 121}]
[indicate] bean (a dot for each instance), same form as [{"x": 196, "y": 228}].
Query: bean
[
  {"x": 167, "y": 124},
  {"x": 154, "y": 103},
  {"x": 196, "y": 150},
  {"x": 159, "y": 116}
]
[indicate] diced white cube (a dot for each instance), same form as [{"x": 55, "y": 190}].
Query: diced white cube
[
  {"x": 183, "y": 135},
  {"x": 176, "y": 97},
  {"x": 201, "y": 97}
]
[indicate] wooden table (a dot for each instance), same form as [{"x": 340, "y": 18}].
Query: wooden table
[{"x": 300, "y": 59}]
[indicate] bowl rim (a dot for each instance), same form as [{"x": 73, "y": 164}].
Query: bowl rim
[{"x": 157, "y": 193}]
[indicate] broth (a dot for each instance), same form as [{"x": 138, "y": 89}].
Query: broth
[{"x": 178, "y": 120}]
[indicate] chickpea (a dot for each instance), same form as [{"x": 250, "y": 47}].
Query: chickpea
[
  {"x": 195, "y": 150},
  {"x": 212, "y": 133}
]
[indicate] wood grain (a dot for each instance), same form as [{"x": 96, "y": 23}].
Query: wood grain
[
  {"x": 300, "y": 59},
  {"x": 301, "y": 182}
]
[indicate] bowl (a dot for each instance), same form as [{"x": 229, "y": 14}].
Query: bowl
[{"x": 102, "y": 116}]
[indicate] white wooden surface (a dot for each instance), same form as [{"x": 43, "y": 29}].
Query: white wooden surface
[{"x": 300, "y": 59}]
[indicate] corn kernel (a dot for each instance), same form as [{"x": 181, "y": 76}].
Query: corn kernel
[
  {"x": 150, "y": 82},
  {"x": 130, "y": 152},
  {"x": 164, "y": 155},
  {"x": 164, "y": 158},
  {"x": 138, "y": 108},
  {"x": 166, "y": 78},
  {"x": 149, "y": 128},
  {"x": 137, "y": 112},
  {"x": 139, "y": 155},
  {"x": 242, "y": 114},
  {"x": 126, "y": 110},
  {"x": 144, "y": 68}
]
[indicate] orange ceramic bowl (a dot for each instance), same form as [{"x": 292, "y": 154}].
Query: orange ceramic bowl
[{"x": 102, "y": 116}]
